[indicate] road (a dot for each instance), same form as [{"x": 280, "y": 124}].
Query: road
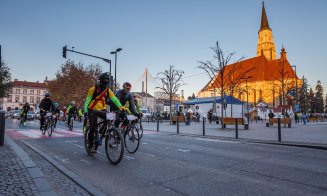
[{"x": 169, "y": 164}]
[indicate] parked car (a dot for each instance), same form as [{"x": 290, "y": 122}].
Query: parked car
[
  {"x": 37, "y": 115},
  {"x": 146, "y": 114},
  {"x": 30, "y": 116},
  {"x": 15, "y": 114}
]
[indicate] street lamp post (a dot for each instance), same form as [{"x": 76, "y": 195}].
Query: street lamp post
[
  {"x": 115, "y": 52},
  {"x": 247, "y": 95},
  {"x": 296, "y": 94}
]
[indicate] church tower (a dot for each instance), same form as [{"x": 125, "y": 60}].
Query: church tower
[{"x": 266, "y": 45}]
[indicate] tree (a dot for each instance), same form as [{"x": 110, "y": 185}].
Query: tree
[
  {"x": 222, "y": 79},
  {"x": 303, "y": 97},
  {"x": 286, "y": 81},
  {"x": 311, "y": 100},
  {"x": 5, "y": 80},
  {"x": 72, "y": 82},
  {"x": 319, "y": 100},
  {"x": 171, "y": 80}
]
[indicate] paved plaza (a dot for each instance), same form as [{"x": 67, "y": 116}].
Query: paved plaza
[{"x": 309, "y": 134}]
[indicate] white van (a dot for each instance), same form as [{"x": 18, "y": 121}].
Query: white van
[{"x": 146, "y": 113}]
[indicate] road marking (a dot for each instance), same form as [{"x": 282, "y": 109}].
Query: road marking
[
  {"x": 72, "y": 141},
  {"x": 78, "y": 146},
  {"x": 151, "y": 155},
  {"x": 87, "y": 162},
  {"x": 184, "y": 150}
]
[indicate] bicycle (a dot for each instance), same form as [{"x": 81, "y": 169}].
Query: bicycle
[
  {"x": 71, "y": 124},
  {"x": 130, "y": 134},
  {"x": 23, "y": 119},
  {"x": 48, "y": 123},
  {"x": 139, "y": 127},
  {"x": 114, "y": 144}
]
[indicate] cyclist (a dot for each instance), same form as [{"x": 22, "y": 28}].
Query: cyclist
[
  {"x": 137, "y": 105},
  {"x": 126, "y": 100},
  {"x": 80, "y": 114},
  {"x": 46, "y": 105},
  {"x": 71, "y": 111},
  {"x": 57, "y": 112},
  {"x": 24, "y": 111},
  {"x": 64, "y": 111},
  {"x": 95, "y": 102}
]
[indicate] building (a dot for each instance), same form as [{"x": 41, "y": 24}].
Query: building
[
  {"x": 146, "y": 101},
  {"x": 261, "y": 78},
  {"x": 22, "y": 92}
]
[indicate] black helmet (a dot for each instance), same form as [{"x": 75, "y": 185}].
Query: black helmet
[
  {"x": 47, "y": 95},
  {"x": 104, "y": 76}
]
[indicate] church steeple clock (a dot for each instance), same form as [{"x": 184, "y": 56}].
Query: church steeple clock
[{"x": 266, "y": 45}]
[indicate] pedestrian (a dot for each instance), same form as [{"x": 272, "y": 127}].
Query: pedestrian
[
  {"x": 304, "y": 118},
  {"x": 271, "y": 116},
  {"x": 210, "y": 115},
  {"x": 296, "y": 118}
]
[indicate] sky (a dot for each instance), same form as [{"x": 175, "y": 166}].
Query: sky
[{"x": 155, "y": 34}]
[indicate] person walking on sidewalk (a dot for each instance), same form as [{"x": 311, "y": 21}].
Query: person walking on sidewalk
[{"x": 304, "y": 118}]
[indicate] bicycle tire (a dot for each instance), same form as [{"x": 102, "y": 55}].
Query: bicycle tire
[
  {"x": 140, "y": 129},
  {"x": 21, "y": 122},
  {"x": 71, "y": 124},
  {"x": 114, "y": 142},
  {"x": 51, "y": 128},
  {"x": 131, "y": 135},
  {"x": 44, "y": 127}
]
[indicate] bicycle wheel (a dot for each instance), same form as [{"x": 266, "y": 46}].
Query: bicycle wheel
[
  {"x": 138, "y": 126},
  {"x": 131, "y": 140},
  {"x": 50, "y": 128},
  {"x": 21, "y": 122},
  {"x": 114, "y": 146},
  {"x": 44, "y": 127}
]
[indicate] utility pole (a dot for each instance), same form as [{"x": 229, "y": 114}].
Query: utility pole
[{"x": 0, "y": 58}]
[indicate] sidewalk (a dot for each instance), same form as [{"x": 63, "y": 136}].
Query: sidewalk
[
  {"x": 19, "y": 174},
  {"x": 312, "y": 134}
]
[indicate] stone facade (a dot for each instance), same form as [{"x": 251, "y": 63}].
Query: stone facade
[{"x": 22, "y": 92}]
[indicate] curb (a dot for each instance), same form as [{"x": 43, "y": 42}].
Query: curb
[
  {"x": 78, "y": 180},
  {"x": 293, "y": 144},
  {"x": 41, "y": 183}
]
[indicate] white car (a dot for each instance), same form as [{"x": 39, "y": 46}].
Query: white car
[{"x": 146, "y": 114}]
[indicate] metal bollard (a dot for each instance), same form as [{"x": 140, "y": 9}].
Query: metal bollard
[
  {"x": 2, "y": 128},
  {"x": 204, "y": 126},
  {"x": 158, "y": 125},
  {"x": 236, "y": 128},
  {"x": 177, "y": 122},
  {"x": 279, "y": 131}
]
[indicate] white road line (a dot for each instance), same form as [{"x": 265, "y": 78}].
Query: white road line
[
  {"x": 29, "y": 134},
  {"x": 72, "y": 141},
  {"x": 151, "y": 155}
]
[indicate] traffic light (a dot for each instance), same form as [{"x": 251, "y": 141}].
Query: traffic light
[{"x": 64, "y": 51}]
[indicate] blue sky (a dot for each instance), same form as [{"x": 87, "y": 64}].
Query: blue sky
[{"x": 155, "y": 34}]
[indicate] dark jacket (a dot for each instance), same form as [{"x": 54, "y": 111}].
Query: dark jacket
[
  {"x": 47, "y": 105},
  {"x": 123, "y": 98}
]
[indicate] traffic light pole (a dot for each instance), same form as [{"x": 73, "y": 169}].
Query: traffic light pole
[{"x": 64, "y": 53}]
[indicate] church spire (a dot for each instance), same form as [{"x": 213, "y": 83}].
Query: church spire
[
  {"x": 264, "y": 19},
  {"x": 266, "y": 45}
]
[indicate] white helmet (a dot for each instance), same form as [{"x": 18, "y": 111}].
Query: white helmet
[{"x": 73, "y": 102}]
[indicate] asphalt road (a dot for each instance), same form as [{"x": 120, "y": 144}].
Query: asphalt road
[{"x": 169, "y": 164}]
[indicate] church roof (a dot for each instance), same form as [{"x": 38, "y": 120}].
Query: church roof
[
  {"x": 260, "y": 70},
  {"x": 264, "y": 19}
]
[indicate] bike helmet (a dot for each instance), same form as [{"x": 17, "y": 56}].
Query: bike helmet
[
  {"x": 127, "y": 85},
  {"x": 47, "y": 95},
  {"x": 104, "y": 76},
  {"x": 73, "y": 102}
]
